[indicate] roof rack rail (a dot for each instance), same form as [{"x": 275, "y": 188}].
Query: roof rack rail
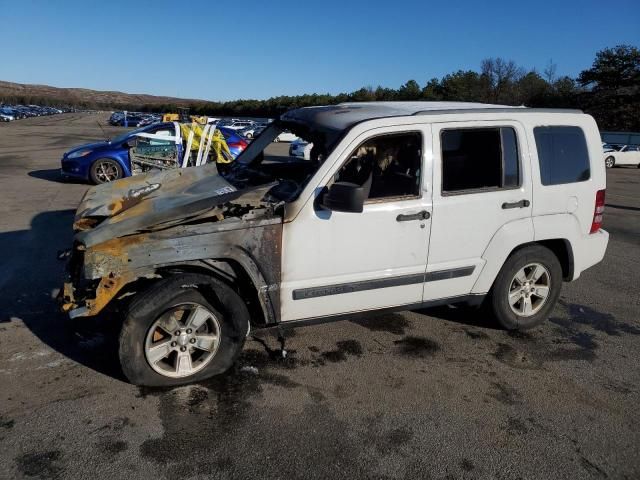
[{"x": 498, "y": 110}]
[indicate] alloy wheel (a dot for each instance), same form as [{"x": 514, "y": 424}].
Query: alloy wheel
[
  {"x": 529, "y": 290},
  {"x": 183, "y": 340},
  {"x": 106, "y": 172}
]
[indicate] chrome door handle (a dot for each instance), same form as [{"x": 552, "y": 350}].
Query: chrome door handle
[
  {"x": 423, "y": 215},
  {"x": 521, "y": 204}
]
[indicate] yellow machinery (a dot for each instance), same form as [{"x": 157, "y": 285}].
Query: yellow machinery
[
  {"x": 177, "y": 117},
  {"x": 184, "y": 117}
]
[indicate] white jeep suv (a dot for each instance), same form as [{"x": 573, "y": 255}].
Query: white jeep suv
[{"x": 400, "y": 206}]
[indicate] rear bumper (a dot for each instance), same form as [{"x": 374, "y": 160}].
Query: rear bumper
[{"x": 590, "y": 251}]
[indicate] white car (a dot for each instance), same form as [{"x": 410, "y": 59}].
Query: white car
[
  {"x": 239, "y": 124},
  {"x": 286, "y": 136},
  {"x": 300, "y": 148},
  {"x": 6, "y": 118},
  {"x": 253, "y": 130},
  {"x": 410, "y": 205},
  {"x": 626, "y": 155}
]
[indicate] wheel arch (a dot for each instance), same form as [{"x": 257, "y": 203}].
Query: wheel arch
[
  {"x": 236, "y": 276},
  {"x": 520, "y": 234},
  {"x": 227, "y": 270}
]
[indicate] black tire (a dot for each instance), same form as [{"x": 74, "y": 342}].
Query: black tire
[
  {"x": 142, "y": 312},
  {"x": 498, "y": 300},
  {"x": 276, "y": 140},
  {"x": 610, "y": 162},
  {"x": 249, "y": 136},
  {"x": 96, "y": 176}
]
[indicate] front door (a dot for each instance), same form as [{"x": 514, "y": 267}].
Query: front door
[
  {"x": 335, "y": 262},
  {"x": 481, "y": 183}
]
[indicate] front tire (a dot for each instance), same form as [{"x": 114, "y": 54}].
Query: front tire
[
  {"x": 527, "y": 288},
  {"x": 183, "y": 329},
  {"x": 610, "y": 162},
  {"x": 105, "y": 170}
]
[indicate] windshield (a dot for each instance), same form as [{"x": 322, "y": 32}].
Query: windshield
[
  {"x": 124, "y": 136},
  {"x": 275, "y": 158}
]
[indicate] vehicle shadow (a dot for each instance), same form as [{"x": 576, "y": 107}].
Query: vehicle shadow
[
  {"x": 463, "y": 314},
  {"x": 53, "y": 175},
  {"x": 623, "y": 207},
  {"x": 30, "y": 277}
]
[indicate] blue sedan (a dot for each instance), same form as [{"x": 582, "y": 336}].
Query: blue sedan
[{"x": 106, "y": 161}]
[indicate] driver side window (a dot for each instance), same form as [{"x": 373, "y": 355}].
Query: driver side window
[{"x": 389, "y": 165}]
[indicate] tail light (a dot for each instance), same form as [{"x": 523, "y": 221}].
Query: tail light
[
  {"x": 239, "y": 144},
  {"x": 597, "y": 213}
]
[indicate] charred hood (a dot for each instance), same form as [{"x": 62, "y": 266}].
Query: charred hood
[{"x": 160, "y": 200}]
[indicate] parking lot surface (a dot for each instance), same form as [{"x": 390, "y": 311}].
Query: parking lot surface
[{"x": 439, "y": 393}]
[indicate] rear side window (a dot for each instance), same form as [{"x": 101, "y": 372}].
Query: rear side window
[
  {"x": 563, "y": 155},
  {"x": 479, "y": 158}
]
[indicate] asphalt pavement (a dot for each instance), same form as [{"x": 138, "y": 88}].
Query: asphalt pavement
[{"x": 439, "y": 393}]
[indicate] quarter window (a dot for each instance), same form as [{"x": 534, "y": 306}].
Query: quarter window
[
  {"x": 563, "y": 155},
  {"x": 479, "y": 158},
  {"x": 389, "y": 165}
]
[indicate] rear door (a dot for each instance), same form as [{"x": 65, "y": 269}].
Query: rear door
[{"x": 481, "y": 182}]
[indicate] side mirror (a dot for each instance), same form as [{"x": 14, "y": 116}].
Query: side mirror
[
  {"x": 130, "y": 142},
  {"x": 345, "y": 197}
]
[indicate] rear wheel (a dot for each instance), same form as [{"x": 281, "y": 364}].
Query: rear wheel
[
  {"x": 527, "y": 288},
  {"x": 105, "y": 170},
  {"x": 610, "y": 162},
  {"x": 276, "y": 139},
  {"x": 183, "y": 329}
]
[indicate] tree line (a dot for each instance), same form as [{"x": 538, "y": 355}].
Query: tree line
[{"x": 609, "y": 90}]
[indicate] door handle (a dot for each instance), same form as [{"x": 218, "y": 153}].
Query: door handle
[
  {"x": 521, "y": 204},
  {"x": 423, "y": 215}
]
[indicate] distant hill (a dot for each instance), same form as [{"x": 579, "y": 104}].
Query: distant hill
[{"x": 82, "y": 97}]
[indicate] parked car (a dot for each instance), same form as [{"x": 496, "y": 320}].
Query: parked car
[
  {"x": 6, "y": 118},
  {"x": 9, "y": 113},
  {"x": 239, "y": 124},
  {"x": 235, "y": 142},
  {"x": 134, "y": 119},
  {"x": 106, "y": 161},
  {"x": 622, "y": 155},
  {"x": 404, "y": 205},
  {"x": 19, "y": 112},
  {"x": 300, "y": 148},
  {"x": 286, "y": 136},
  {"x": 252, "y": 131}
]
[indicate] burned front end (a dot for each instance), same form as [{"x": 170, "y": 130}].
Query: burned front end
[{"x": 139, "y": 229}]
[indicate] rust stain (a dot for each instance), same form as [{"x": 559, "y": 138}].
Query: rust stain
[
  {"x": 84, "y": 223},
  {"x": 128, "y": 207},
  {"x": 108, "y": 288},
  {"x": 118, "y": 247},
  {"x": 68, "y": 306}
]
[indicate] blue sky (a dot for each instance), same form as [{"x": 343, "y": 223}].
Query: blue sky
[{"x": 218, "y": 51}]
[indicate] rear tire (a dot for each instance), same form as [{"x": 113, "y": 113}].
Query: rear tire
[
  {"x": 151, "y": 355},
  {"x": 610, "y": 162},
  {"x": 518, "y": 299}
]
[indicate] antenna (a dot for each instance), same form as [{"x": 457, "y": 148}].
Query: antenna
[{"x": 103, "y": 132}]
